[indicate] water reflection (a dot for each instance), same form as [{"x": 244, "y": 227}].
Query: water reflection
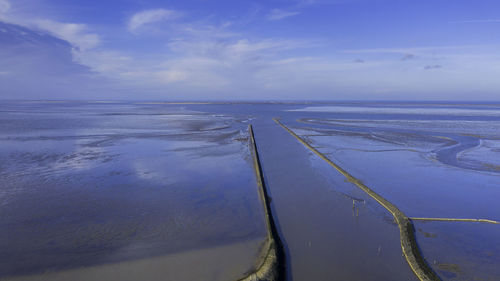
[
  {"x": 87, "y": 187},
  {"x": 439, "y": 165}
]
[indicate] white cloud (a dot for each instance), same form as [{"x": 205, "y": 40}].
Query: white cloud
[
  {"x": 235, "y": 47},
  {"x": 149, "y": 16},
  {"x": 278, "y": 14},
  {"x": 244, "y": 46},
  {"x": 196, "y": 62},
  {"x": 201, "y": 58},
  {"x": 74, "y": 33}
]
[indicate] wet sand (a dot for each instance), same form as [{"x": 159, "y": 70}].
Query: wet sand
[
  {"x": 461, "y": 250},
  {"x": 434, "y": 166},
  {"x": 87, "y": 186},
  {"x": 194, "y": 265},
  {"x": 141, "y": 195}
]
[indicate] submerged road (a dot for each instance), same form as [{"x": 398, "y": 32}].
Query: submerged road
[{"x": 324, "y": 238}]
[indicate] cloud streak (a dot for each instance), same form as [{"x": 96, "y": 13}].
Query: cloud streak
[
  {"x": 278, "y": 14},
  {"x": 143, "y": 18},
  {"x": 478, "y": 21},
  {"x": 435, "y": 66}
]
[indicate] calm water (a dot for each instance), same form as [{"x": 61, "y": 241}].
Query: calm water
[
  {"x": 122, "y": 185},
  {"x": 90, "y": 184},
  {"x": 433, "y": 161}
]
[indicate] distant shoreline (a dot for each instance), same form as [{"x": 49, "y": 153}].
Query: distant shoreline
[{"x": 284, "y": 102}]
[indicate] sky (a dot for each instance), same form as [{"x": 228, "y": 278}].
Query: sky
[{"x": 250, "y": 50}]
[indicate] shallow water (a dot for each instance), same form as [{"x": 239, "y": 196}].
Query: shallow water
[
  {"x": 436, "y": 162},
  {"x": 122, "y": 186},
  {"x": 461, "y": 251},
  {"x": 92, "y": 184},
  {"x": 330, "y": 229}
]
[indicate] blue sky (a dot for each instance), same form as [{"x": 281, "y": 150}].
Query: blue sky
[{"x": 242, "y": 50}]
